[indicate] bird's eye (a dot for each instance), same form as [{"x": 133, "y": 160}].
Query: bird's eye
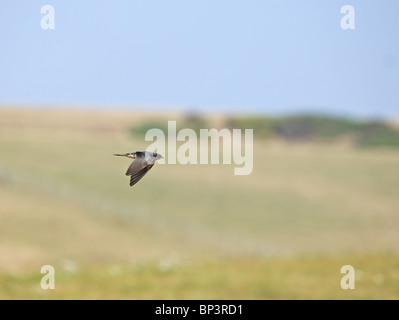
[{"x": 154, "y": 154}]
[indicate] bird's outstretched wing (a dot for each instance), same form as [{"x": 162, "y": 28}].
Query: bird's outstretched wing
[
  {"x": 134, "y": 178},
  {"x": 138, "y": 169}
]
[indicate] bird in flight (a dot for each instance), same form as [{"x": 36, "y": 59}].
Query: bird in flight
[{"x": 143, "y": 162}]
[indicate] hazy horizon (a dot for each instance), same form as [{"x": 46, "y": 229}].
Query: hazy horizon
[{"x": 202, "y": 111}]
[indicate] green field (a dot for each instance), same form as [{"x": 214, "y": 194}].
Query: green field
[{"x": 194, "y": 231}]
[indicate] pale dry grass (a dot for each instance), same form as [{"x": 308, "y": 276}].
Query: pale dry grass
[
  {"x": 64, "y": 197},
  {"x": 93, "y": 121}
]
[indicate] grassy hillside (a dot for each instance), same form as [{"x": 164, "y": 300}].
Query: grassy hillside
[{"x": 194, "y": 231}]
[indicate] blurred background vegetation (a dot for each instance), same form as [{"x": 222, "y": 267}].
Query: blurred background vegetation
[
  {"x": 323, "y": 194},
  {"x": 300, "y": 128},
  {"x": 314, "y": 128},
  {"x": 296, "y": 128}
]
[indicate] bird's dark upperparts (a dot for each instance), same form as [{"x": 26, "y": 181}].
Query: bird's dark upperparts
[{"x": 143, "y": 162}]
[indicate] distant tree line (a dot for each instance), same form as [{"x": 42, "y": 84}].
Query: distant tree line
[
  {"x": 319, "y": 128},
  {"x": 298, "y": 128}
]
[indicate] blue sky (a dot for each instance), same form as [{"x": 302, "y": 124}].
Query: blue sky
[{"x": 256, "y": 56}]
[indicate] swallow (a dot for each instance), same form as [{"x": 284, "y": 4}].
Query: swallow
[{"x": 143, "y": 162}]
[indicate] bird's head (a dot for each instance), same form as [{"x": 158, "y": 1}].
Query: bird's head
[{"x": 157, "y": 156}]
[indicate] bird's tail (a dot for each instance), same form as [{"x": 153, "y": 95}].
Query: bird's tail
[{"x": 129, "y": 155}]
